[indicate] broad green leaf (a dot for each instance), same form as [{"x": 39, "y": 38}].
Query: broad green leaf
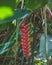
[
  {"x": 42, "y": 48},
  {"x": 5, "y": 12},
  {"x": 18, "y": 14},
  {"x": 35, "y": 4},
  {"x": 7, "y": 8},
  {"x": 22, "y": 13}
]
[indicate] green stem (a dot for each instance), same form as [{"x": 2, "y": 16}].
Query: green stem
[
  {"x": 46, "y": 40},
  {"x": 17, "y": 31}
]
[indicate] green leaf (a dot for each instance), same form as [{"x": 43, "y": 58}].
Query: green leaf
[
  {"x": 49, "y": 25},
  {"x": 8, "y": 3},
  {"x": 3, "y": 27},
  {"x": 35, "y": 4},
  {"x": 5, "y": 12},
  {"x": 17, "y": 1},
  {"x": 19, "y": 14},
  {"x": 7, "y": 8},
  {"x": 6, "y": 46},
  {"x": 42, "y": 48},
  {"x": 50, "y": 3},
  {"x": 22, "y": 13}
]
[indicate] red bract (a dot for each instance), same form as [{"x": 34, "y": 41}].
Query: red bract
[{"x": 25, "y": 37}]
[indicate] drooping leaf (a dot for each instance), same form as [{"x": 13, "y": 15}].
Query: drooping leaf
[
  {"x": 42, "y": 49},
  {"x": 6, "y": 46}
]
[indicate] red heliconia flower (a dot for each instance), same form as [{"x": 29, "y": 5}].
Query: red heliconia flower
[{"x": 25, "y": 37}]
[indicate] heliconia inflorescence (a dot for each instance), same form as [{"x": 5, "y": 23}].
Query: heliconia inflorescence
[{"x": 25, "y": 39}]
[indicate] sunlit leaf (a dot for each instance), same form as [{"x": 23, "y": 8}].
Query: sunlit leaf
[
  {"x": 18, "y": 14},
  {"x": 17, "y": 1},
  {"x": 5, "y": 12}
]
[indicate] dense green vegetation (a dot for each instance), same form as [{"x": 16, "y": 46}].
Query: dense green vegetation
[{"x": 35, "y": 13}]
